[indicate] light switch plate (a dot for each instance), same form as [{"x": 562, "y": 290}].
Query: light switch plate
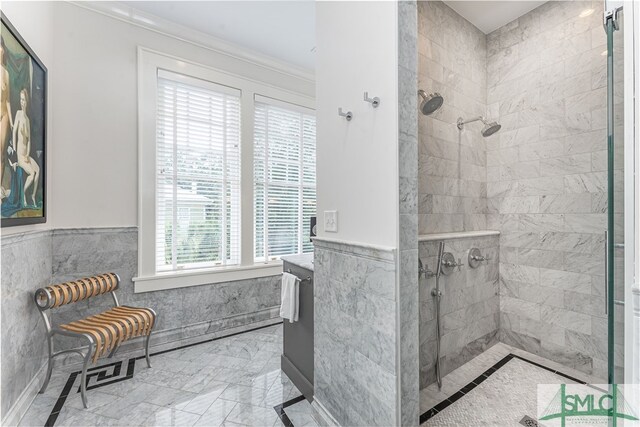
[{"x": 331, "y": 221}]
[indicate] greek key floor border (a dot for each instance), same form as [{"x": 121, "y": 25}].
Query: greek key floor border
[{"x": 105, "y": 376}]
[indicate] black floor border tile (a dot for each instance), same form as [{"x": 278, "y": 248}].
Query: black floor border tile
[
  {"x": 282, "y": 414},
  {"x": 555, "y": 371},
  {"x": 478, "y": 380},
  {"x": 428, "y": 414},
  {"x": 130, "y": 368},
  {"x": 57, "y": 407},
  {"x": 60, "y": 402}
]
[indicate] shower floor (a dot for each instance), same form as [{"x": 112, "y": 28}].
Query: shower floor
[{"x": 504, "y": 397}]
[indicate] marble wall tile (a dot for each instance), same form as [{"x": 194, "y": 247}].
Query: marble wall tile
[
  {"x": 470, "y": 306},
  {"x": 452, "y": 60},
  {"x": 29, "y": 262},
  {"x": 558, "y": 129},
  {"x": 355, "y": 342},
  {"x": 87, "y": 252},
  {"x": 26, "y": 266}
]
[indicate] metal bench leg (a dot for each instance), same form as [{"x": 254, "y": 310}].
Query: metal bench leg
[
  {"x": 115, "y": 348},
  {"x": 146, "y": 349},
  {"x": 49, "y": 365},
  {"x": 83, "y": 385}
]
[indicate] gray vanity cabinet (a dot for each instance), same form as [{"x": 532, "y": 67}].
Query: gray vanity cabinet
[{"x": 297, "y": 354}]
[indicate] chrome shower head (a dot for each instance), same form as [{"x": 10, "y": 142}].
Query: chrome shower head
[
  {"x": 430, "y": 103},
  {"x": 490, "y": 128}
]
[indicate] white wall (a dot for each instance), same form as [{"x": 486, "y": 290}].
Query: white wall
[
  {"x": 357, "y": 161},
  {"x": 96, "y": 178},
  {"x": 34, "y": 22}
]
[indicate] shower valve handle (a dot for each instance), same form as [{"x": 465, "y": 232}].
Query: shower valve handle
[
  {"x": 452, "y": 264},
  {"x": 475, "y": 258}
]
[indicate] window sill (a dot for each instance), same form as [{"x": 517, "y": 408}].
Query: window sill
[{"x": 185, "y": 279}]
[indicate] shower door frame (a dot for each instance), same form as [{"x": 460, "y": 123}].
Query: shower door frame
[
  {"x": 631, "y": 207},
  {"x": 632, "y": 192}
]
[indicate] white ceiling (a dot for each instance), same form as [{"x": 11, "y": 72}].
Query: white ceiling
[
  {"x": 488, "y": 16},
  {"x": 284, "y": 30}
]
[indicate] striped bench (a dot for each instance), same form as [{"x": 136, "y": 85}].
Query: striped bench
[{"x": 104, "y": 331}]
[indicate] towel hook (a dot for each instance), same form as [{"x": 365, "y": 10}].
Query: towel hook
[
  {"x": 348, "y": 115},
  {"x": 375, "y": 101}
]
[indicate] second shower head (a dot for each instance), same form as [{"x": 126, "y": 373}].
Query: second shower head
[
  {"x": 489, "y": 127},
  {"x": 430, "y": 103}
]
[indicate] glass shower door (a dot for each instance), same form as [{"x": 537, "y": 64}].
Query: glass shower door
[{"x": 615, "y": 249}]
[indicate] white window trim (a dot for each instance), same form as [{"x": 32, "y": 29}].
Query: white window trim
[{"x": 149, "y": 61}]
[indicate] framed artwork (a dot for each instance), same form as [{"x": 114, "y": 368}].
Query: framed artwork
[{"x": 23, "y": 131}]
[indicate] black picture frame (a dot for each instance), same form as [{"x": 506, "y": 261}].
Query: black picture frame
[{"x": 42, "y": 163}]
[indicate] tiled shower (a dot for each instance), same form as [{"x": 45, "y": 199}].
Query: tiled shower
[{"x": 540, "y": 182}]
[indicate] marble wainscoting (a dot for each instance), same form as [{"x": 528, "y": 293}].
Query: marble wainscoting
[
  {"x": 470, "y": 306},
  {"x": 26, "y": 266},
  {"x": 185, "y": 315},
  {"x": 408, "y": 299},
  {"x": 355, "y": 377}
]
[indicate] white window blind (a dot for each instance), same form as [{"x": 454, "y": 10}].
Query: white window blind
[
  {"x": 284, "y": 178},
  {"x": 197, "y": 174}
]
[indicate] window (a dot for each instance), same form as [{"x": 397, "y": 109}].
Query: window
[
  {"x": 198, "y": 174},
  {"x": 284, "y": 178},
  {"x": 226, "y": 171}
]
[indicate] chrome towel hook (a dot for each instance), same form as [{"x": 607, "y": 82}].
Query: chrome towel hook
[
  {"x": 348, "y": 115},
  {"x": 375, "y": 101}
]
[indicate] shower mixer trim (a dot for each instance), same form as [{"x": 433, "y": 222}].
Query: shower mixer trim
[
  {"x": 424, "y": 270},
  {"x": 449, "y": 264},
  {"x": 475, "y": 257}
]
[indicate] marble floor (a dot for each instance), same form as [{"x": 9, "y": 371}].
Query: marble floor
[
  {"x": 237, "y": 380},
  {"x": 229, "y": 381},
  {"x": 504, "y": 397}
]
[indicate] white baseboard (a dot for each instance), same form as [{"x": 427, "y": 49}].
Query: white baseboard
[
  {"x": 328, "y": 419},
  {"x": 17, "y": 411}
]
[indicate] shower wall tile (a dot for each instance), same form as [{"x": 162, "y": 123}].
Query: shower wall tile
[
  {"x": 547, "y": 182},
  {"x": 408, "y": 286},
  {"x": 452, "y": 60},
  {"x": 470, "y": 306}
]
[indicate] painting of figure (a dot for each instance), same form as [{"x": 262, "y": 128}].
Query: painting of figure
[{"x": 23, "y": 113}]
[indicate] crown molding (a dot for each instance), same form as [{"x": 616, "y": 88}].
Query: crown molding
[{"x": 125, "y": 13}]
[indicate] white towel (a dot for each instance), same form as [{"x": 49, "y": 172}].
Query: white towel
[{"x": 290, "y": 296}]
